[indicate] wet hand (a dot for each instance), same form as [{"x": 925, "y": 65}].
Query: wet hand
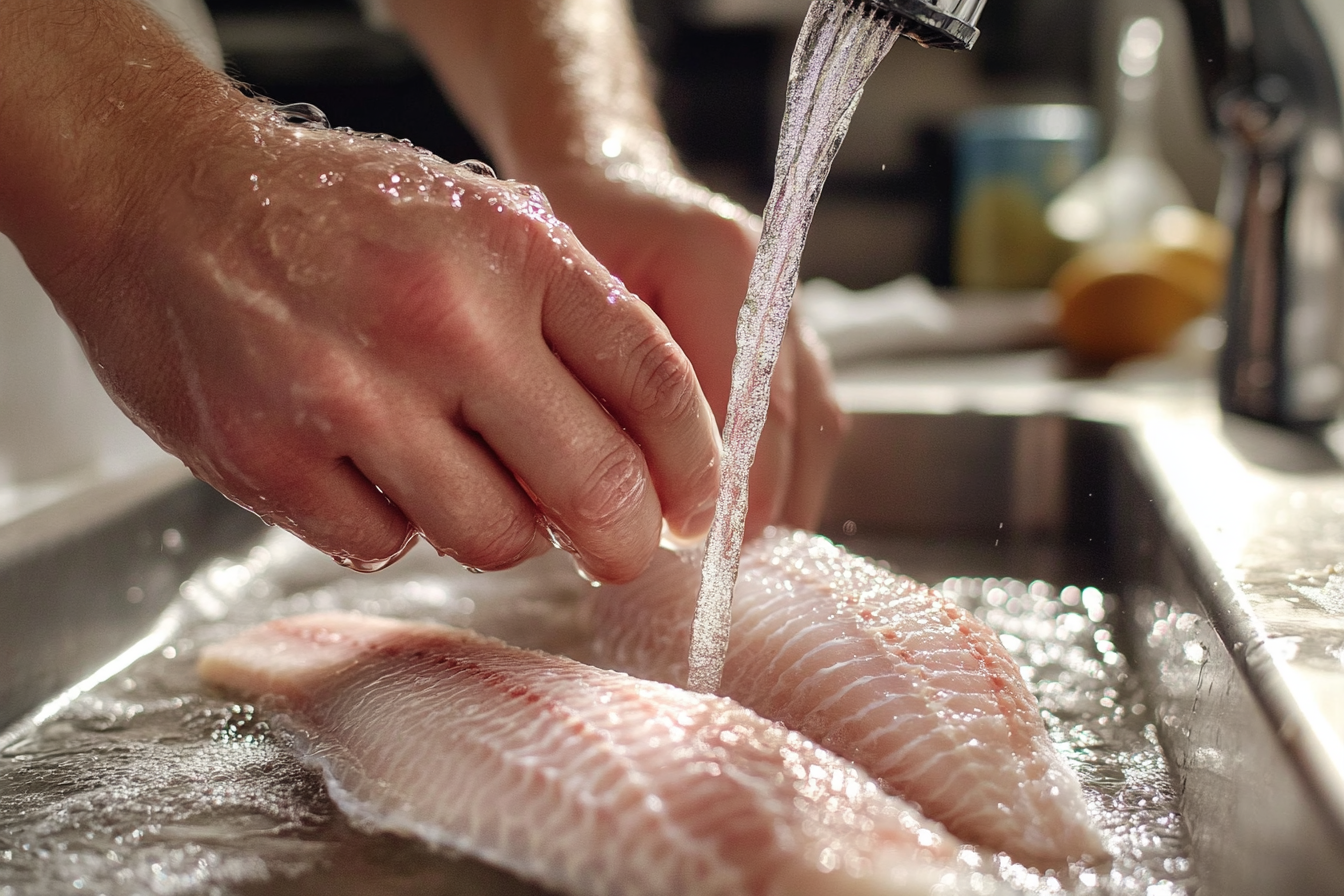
[
  {"x": 363, "y": 343},
  {"x": 688, "y": 253}
]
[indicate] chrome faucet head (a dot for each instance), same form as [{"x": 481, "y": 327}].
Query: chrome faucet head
[{"x": 947, "y": 24}]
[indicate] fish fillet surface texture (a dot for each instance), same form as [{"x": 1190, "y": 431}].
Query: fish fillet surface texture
[
  {"x": 581, "y": 779},
  {"x": 878, "y": 668}
]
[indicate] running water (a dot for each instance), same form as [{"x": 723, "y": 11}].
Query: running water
[{"x": 840, "y": 45}]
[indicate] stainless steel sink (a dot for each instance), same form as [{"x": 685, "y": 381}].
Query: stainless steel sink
[
  {"x": 1218, "y": 538},
  {"x": 1221, "y": 538}
]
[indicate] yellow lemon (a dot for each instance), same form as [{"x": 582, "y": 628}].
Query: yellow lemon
[{"x": 1118, "y": 300}]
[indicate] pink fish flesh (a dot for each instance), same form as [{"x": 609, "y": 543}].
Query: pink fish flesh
[
  {"x": 581, "y": 779},
  {"x": 879, "y": 669}
]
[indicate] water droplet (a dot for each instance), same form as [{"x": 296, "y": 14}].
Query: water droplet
[
  {"x": 362, "y": 565},
  {"x": 585, "y": 574},
  {"x": 172, "y": 541},
  {"x": 476, "y": 166},
  {"x": 559, "y": 538},
  {"x": 304, "y": 115}
]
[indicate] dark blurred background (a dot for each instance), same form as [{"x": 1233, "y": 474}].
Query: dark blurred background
[{"x": 722, "y": 66}]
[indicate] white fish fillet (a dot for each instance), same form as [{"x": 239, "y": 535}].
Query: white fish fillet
[
  {"x": 878, "y": 668},
  {"x": 581, "y": 779}
]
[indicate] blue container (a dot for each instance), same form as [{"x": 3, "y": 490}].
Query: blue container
[{"x": 1010, "y": 162}]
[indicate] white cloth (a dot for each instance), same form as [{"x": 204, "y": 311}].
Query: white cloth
[{"x": 908, "y": 316}]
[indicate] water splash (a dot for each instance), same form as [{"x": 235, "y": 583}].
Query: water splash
[
  {"x": 1101, "y": 721},
  {"x": 839, "y": 47}
]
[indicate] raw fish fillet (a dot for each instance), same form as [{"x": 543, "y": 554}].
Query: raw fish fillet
[
  {"x": 879, "y": 669},
  {"x": 580, "y": 779}
]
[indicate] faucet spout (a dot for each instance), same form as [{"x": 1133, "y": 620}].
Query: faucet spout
[
  {"x": 947, "y": 24},
  {"x": 1273, "y": 99}
]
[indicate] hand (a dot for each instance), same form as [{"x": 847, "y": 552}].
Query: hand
[
  {"x": 361, "y": 342},
  {"x": 688, "y": 253}
]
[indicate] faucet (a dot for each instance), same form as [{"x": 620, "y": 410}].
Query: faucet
[
  {"x": 1272, "y": 98},
  {"x": 946, "y": 24}
]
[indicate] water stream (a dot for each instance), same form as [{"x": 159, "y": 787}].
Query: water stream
[{"x": 840, "y": 45}]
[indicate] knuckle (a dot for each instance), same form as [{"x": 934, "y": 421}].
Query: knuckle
[
  {"x": 536, "y": 243},
  {"x": 441, "y": 311},
  {"x": 332, "y": 389},
  {"x": 663, "y": 381},
  {"x": 448, "y": 319},
  {"x": 615, "y": 487}
]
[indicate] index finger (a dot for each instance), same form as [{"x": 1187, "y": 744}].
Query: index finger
[{"x": 618, "y": 348}]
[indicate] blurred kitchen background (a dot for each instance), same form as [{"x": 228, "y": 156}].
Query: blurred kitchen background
[{"x": 887, "y": 208}]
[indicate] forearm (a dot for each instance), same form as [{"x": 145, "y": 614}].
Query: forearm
[
  {"x": 545, "y": 84},
  {"x": 99, "y": 104}
]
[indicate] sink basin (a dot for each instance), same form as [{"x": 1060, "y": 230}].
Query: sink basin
[{"x": 1218, "y": 539}]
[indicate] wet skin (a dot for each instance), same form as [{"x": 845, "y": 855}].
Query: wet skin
[{"x": 363, "y": 343}]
